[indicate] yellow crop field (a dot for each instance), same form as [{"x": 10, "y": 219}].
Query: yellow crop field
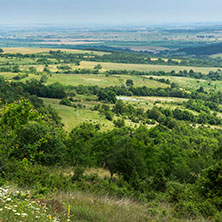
[{"x": 24, "y": 50}]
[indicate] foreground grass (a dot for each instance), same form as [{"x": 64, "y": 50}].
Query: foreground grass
[
  {"x": 94, "y": 208},
  {"x": 22, "y": 205}
]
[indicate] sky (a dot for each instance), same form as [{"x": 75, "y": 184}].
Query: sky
[{"x": 111, "y": 12}]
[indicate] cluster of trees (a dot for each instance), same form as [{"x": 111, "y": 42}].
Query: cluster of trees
[
  {"x": 35, "y": 87},
  {"x": 212, "y": 75},
  {"x": 217, "y": 75},
  {"x": 200, "y": 105},
  {"x": 87, "y": 146},
  {"x": 54, "y": 57},
  {"x": 162, "y": 80},
  {"x": 134, "y": 91},
  {"x": 165, "y": 116},
  {"x": 78, "y": 71},
  {"x": 20, "y": 76},
  {"x": 161, "y": 115},
  {"x": 10, "y": 92},
  {"x": 14, "y": 69},
  {"x": 106, "y": 95}
]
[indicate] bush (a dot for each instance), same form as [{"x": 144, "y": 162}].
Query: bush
[
  {"x": 66, "y": 102},
  {"x": 78, "y": 174},
  {"x": 109, "y": 115},
  {"x": 207, "y": 209},
  {"x": 209, "y": 184},
  {"x": 128, "y": 163},
  {"x": 119, "y": 123},
  {"x": 175, "y": 192},
  {"x": 129, "y": 82},
  {"x": 25, "y": 174},
  {"x": 186, "y": 209}
]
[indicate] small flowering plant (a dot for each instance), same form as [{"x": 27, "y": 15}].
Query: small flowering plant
[{"x": 18, "y": 206}]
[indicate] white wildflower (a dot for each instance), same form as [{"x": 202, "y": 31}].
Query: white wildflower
[{"x": 24, "y": 214}]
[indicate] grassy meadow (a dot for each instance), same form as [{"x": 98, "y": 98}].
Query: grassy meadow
[
  {"x": 79, "y": 206},
  {"x": 189, "y": 83},
  {"x": 145, "y": 67},
  {"x": 101, "y": 80},
  {"x": 72, "y": 117}
]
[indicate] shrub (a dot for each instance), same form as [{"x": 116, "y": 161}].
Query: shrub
[
  {"x": 119, "y": 123},
  {"x": 128, "y": 162},
  {"x": 66, "y": 102},
  {"x": 109, "y": 115},
  {"x": 209, "y": 184},
  {"x": 186, "y": 209}
]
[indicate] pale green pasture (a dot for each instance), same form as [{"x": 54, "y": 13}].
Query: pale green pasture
[
  {"x": 17, "y": 61},
  {"x": 184, "y": 82},
  {"x": 218, "y": 55},
  {"x": 162, "y": 99},
  {"x": 173, "y": 106},
  {"x": 189, "y": 83},
  {"x": 144, "y": 67},
  {"x": 8, "y": 75},
  {"x": 147, "y": 102},
  {"x": 99, "y": 79}
]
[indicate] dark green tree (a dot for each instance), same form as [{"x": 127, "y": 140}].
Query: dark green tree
[{"x": 129, "y": 82}]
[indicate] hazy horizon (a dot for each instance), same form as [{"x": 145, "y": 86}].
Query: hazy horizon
[{"x": 106, "y": 12}]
